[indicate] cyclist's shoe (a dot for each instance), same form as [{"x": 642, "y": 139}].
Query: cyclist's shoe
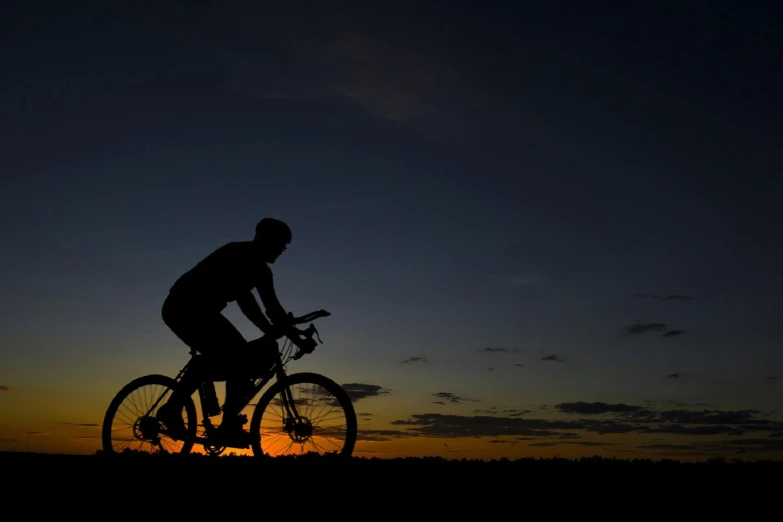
[
  {"x": 171, "y": 417},
  {"x": 230, "y": 432}
]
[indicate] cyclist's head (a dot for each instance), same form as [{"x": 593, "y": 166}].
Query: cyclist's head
[{"x": 272, "y": 235}]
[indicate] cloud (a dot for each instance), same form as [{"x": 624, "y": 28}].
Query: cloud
[
  {"x": 519, "y": 365},
  {"x": 450, "y": 397},
  {"x": 673, "y": 376},
  {"x": 77, "y": 425},
  {"x": 595, "y": 408},
  {"x": 490, "y": 349},
  {"x": 672, "y": 333},
  {"x": 400, "y": 70},
  {"x": 415, "y": 359},
  {"x": 306, "y": 401},
  {"x": 5, "y": 388},
  {"x": 524, "y": 280},
  {"x": 438, "y": 425},
  {"x": 380, "y": 435},
  {"x": 695, "y": 430},
  {"x": 609, "y": 426},
  {"x": 357, "y": 391},
  {"x": 712, "y": 417},
  {"x": 640, "y": 328},
  {"x": 757, "y": 444},
  {"x": 580, "y": 443},
  {"x": 622, "y": 418},
  {"x": 672, "y": 297},
  {"x": 553, "y": 357},
  {"x": 511, "y": 412},
  {"x": 676, "y": 447}
]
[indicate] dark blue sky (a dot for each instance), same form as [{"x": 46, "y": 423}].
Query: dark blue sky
[{"x": 456, "y": 177}]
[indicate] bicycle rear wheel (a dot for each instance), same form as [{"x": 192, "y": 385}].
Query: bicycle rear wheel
[
  {"x": 130, "y": 423},
  {"x": 326, "y": 423}
]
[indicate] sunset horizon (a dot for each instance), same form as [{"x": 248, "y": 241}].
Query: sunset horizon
[{"x": 540, "y": 230}]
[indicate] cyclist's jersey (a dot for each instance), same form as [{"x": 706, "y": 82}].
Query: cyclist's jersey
[{"x": 226, "y": 274}]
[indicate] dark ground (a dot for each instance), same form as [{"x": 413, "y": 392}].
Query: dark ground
[{"x": 386, "y": 485}]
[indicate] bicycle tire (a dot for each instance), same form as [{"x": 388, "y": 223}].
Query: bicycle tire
[
  {"x": 147, "y": 380},
  {"x": 344, "y": 401}
]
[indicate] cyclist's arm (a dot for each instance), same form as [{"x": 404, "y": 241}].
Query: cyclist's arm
[
  {"x": 249, "y": 306},
  {"x": 274, "y": 310}
]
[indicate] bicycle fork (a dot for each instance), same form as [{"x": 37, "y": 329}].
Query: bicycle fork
[
  {"x": 289, "y": 406},
  {"x": 298, "y": 428}
]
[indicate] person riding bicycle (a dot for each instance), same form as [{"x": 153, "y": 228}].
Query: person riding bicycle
[{"x": 193, "y": 311}]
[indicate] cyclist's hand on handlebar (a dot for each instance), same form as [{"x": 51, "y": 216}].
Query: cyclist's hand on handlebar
[
  {"x": 307, "y": 344},
  {"x": 300, "y": 338}
]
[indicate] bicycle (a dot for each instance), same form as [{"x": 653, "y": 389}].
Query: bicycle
[{"x": 298, "y": 424}]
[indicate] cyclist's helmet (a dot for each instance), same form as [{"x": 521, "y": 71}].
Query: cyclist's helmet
[{"x": 274, "y": 231}]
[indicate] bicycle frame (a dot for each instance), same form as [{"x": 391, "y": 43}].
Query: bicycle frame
[
  {"x": 264, "y": 365},
  {"x": 277, "y": 370}
]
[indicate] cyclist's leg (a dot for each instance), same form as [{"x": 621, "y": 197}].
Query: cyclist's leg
[
  {"x": 212, "y": 335},
  {"x": 227, "y": 347},
  {"x": 189, "y": 325},
  {"x": 225, "y": 338}
]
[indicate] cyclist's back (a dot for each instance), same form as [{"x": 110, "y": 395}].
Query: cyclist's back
[{"x": 225, "y": 275}]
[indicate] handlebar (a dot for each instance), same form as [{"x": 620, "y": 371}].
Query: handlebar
[
  {"x": 312, "y": 316},
  {"x": 308, "y": 333}
]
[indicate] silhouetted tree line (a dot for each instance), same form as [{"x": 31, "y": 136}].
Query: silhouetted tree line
[
  {"x": 132, "y": 457},
  {"x": 455, "y": 484}
]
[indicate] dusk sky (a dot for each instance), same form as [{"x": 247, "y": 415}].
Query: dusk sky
[{"x": 541, "y": 228}]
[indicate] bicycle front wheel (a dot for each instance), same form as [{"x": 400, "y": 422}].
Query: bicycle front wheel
[
  {"x": 130, "y": 423},
  {"x": 319, "y": 419}
]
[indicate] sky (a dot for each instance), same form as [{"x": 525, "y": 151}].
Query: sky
[{"x": 542, "y": 229}]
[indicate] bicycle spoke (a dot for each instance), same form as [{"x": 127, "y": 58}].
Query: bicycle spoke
[
  {"x": 130, "y": 423},
  {"x": 317, "y": 421}
]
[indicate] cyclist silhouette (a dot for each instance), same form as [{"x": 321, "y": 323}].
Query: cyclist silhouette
[{"x": 193, "y": 311}]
